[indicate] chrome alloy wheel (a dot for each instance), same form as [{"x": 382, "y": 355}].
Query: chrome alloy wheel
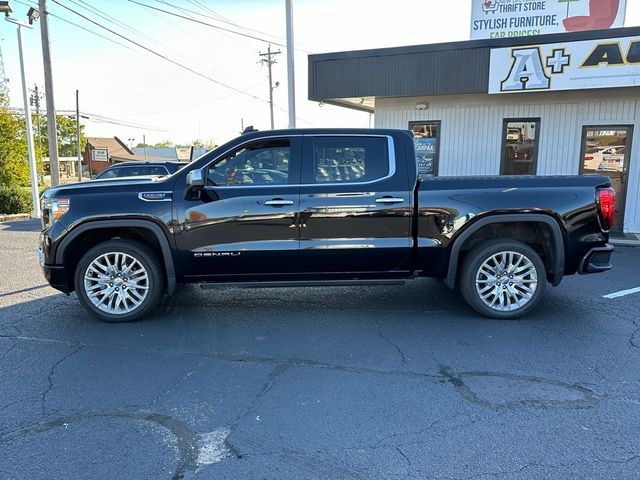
[
  {"x": 116, "y": 283},
  {"x": 506, "y": 281}
]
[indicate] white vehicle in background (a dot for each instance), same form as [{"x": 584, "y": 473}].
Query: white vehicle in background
[
  {"x": 514, "y": 135},
  {"x": 613, "y": 162},
  {"x": 593, "y": 157}
]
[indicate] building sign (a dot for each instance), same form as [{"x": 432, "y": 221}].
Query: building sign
[
  {"x": 426, "y": 156},
  {"x": 184, "y": 154},
  {"x": 517, "y": 18},
  {"x": 608, "y": 63},
  {"x": 100, "y": 155}
]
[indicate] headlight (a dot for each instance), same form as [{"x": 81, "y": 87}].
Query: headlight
[{"x": 53, "y": 209}]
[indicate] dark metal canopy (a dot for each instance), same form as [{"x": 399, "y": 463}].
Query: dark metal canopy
[{"x": 352, "y": 78}]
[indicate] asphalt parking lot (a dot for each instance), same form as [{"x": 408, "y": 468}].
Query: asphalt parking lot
[{"x": 340, "y": 383}]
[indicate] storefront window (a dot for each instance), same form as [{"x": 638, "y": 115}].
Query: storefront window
[
  {"x": 606, "y": 151},
  {"x": 520, "y": 151},
  {"x": 427, "y": 141}
]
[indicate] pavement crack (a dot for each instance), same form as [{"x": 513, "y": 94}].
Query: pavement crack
[
  {"x": 176, "y": 384},
  {"x": 633, "y": 342},
  {"x": 588, "y": 398},
  {"x": 394, "y": 345},
  {"x": 276, "y": 373},
  {"x": 52, "y": 371}
]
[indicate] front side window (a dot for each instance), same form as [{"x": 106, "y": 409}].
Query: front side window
[
  {"x": 349, "y": 159},
  {"x": 520, "y": 147},
  {"x": 260, "y": 163}
]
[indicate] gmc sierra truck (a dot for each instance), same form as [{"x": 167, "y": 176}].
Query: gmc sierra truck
[{"x": 321, "y": 208}]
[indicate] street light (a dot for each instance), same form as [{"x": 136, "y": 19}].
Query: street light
[{"x": 35, "y": 197}]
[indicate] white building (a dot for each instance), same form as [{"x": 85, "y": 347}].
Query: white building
[{"x": 562, "y": 104}]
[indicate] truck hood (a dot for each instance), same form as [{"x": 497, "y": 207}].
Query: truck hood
[{"x": 128, "y": 184}]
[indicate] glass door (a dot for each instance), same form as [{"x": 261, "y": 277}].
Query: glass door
[{"x": 606, "y": 151}]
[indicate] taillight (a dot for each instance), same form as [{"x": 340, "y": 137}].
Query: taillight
[
  {"x": 588, "y": 157},
  {"x": 607, "y": 204}
]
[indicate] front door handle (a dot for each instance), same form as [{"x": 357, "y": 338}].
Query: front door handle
[
  {"x": 389, "y": 200},
  {"x": 278, "y": 202}
]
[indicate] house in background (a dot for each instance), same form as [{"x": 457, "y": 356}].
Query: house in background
[
  {"x": 98, "y": 153},
  {"x": 101, "y": 153}
]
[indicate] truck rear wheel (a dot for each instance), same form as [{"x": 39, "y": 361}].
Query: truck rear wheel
[
  {"x": 503, "y": 279},
  {"x": 119, "y": 280}
]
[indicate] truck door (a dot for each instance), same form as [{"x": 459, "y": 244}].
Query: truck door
[
  {"x": 355, "y": 205},
  {"x": 245, "y": 221}
]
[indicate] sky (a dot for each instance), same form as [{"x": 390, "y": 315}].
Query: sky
[{"x": 158, "y": 100}]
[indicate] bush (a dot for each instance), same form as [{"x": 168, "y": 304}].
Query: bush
[{"x": 15, "y": 200}]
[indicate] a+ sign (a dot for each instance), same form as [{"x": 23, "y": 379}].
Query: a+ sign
[{"x": 558, "y": 60}]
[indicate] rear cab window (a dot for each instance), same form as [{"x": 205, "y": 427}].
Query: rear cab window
[{"x": 346, "y": 160}]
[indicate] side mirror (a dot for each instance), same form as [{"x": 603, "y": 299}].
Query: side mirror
[{"x": 195, "y": 178}]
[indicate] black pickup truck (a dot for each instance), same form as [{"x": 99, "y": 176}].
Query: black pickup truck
[{"x": 317, "y": 208}]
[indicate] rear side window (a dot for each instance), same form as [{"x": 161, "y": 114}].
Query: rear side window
[
  {"x": 349, "y": 159},
  {"x": 111, "y": 173}
]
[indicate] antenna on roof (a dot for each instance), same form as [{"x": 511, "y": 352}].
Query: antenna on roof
[{"x": 249, "y": 129}]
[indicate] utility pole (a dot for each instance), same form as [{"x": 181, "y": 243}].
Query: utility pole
[
  {"x": 290, "y": 67},
  {"x": 35, "y": 101},
  {"x": 144, "y": 141},
  {"x": 35, "y": 196},
  {"x": 269, "y": 60},
  {"x": 48, "y": 88},
  {"x": 78, "y": 134}
]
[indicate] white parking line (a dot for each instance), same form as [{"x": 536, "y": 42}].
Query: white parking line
[{"x": 622, "y": 293}]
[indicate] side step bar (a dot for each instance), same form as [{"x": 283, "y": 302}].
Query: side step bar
[{"x": 303, "y": 283}]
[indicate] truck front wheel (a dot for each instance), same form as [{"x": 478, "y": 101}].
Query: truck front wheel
[
  {"x": 119, "y": 280},
  {"x": 502, "y": 279}
]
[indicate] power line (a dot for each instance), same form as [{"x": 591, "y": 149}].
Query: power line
[
  {"x": 217, "y": 27},
  {"x": 220, "y": 18},
  {"x": 187, "y": 107},
  {"x": 113, "y": 20},
  {"x": 83, "y": 28},
  {"x": 188, "y": 13},
  {"x": 159, "y": 54},
  {"x": 98, "y": 118}
]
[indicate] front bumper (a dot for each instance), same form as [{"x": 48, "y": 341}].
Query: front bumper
[
  {"x": 597, "y": 260},
  {"x": 56, "y": 275}
]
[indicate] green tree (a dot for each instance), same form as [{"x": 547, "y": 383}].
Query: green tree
[
  {"x": 14, "y": 166},
  {"x": 67, "y": 136},
  {"x": 164, "y": 144},
  {"x": 15, "y": 194}
]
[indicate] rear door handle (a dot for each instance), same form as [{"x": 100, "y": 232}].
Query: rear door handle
[
  {"x": 389, "y": 200},
  {"x": 278, "y": 202}
]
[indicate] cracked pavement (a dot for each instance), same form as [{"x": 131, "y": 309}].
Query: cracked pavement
[{"x": 340, "y": 383}]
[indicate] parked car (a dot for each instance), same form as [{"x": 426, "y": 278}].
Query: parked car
[
  {"x": 613, "y": 162},
  {"x": 137, "y": 169},
  {"x": 514, "y": 135},
  {"x": 307, "y": 221},
  {"x": 594, "y": 156}
]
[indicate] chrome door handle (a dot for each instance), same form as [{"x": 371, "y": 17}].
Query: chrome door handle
[
  {"x": 278, "y": 202},
  {"x": 389, "y": 200}
]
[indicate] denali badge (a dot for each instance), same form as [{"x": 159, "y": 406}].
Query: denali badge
[
  {"x": 155, "y": 196},
  {"x": 217, "y": 254}
]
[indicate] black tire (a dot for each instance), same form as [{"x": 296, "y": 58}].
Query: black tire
[
  {"x": 502, "y": 289},
  {"x": 153, "y": 283}
]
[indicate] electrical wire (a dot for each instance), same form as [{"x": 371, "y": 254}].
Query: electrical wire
[
  {"x": 217, "y": 27},
  {"x": 188, "y": 13},
  {"x": 160, "y": 55}
]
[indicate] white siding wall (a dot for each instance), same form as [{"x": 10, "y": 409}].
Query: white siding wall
[{"x": 471, "y": 136}]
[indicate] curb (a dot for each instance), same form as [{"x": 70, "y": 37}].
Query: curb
[
  {"x": 15, "y": 218},
  {"x": 631, "y": 240}
]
